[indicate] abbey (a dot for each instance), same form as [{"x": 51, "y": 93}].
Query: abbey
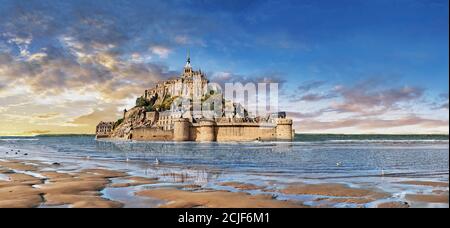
[{"x": 187, "y": 108}]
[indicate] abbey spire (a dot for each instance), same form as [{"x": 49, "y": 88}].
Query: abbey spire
[
  {"x": 188, "y": 68},
  {"x": 188, "y": 60}
]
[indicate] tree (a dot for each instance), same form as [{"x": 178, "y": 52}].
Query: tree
[{"x": 141, "y": 102}]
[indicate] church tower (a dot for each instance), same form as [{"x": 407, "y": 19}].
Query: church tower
[{"x": 188, "y": 68}]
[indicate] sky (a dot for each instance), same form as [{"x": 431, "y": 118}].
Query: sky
[{"x": 348, "y": 66}]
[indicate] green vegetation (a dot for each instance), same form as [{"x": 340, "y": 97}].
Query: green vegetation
[
  {"x": 149, "y": 108},
  {"x": 117, "y": 123},
  {"x": 141, "y": 102},
  {"x": 148, "y": 104},
  {"x": 209, "y": 95},
  {"x": 212, "y": 94},
  {"x": 167, "y": 102}
]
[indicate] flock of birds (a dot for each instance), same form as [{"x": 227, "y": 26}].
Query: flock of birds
[{"x": 17, "y": 152}]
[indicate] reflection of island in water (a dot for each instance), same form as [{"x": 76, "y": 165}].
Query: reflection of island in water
[
  {"x": 189, "y": 109},
  {"x": 198, "y": 169},
  {"x": 147, "y": 157}
]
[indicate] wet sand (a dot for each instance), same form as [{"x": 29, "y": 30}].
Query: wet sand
[
  {"x": 216, "y": 199},
  {"x": 35, "y": 188},
  {"x": 345, "y": 193},
  {"x": 82, "y": 189},
  {"x": 426, "y": 183},
  {"x": 135, "y": 181},
  {"x": 440, "y": 198},
  {"x": 393, "y": 205},
  {"x": 242, "y": 186},
  {"x": 27, "y": 184}
]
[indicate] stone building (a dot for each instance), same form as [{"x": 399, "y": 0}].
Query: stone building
[
  {"x": 183, "y": 121},
  {"x": 190, "y": 84},
  {"x": 104, "y": 129},
  {"x": 166, "y": 120}
]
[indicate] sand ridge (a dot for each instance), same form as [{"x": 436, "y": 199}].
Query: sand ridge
[
  {"x": 216, "y": 199},
  {"x": 77, "y": 189}
]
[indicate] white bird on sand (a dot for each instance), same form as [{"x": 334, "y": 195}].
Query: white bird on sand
[
  {"x": 127, "y": 159},
  {"x": 157, "y": 162}
]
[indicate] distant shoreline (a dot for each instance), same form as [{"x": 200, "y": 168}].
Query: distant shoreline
[
  {"x": 301, "y": 137},
  {"x": 393, "y": 137},
  {"x": 49, "y": 135}
]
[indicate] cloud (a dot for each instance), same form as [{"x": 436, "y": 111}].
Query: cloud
[
  {"x": 182, "y": 39},
  {"x": 371, "y": 123},
  {"x": 442, "y": 102},
  {"x": 309, "y": 115},
  {"x": 49, "y": 115},
  {"x": 109, "y": 113},
  {"x": 85, "y": 46},
  {"x": 227, "y": 77},
  {"x": 309, "y": 91},
  {"x": 188, "y": 40},
  {"x": 310, "y": 85},
  {"x": 443, "y": 106},
  {"x": 54, "y": 73},
  {"x": 366, "y": 106},
  {"x": 161, "y": 51},
  {"x": 443, "y": 96},
  {"x": 367, "y": 98},
  {"x": 313, "y": 97}
]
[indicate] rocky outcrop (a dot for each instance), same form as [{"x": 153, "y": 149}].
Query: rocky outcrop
[{"x": 134, "y": 118}]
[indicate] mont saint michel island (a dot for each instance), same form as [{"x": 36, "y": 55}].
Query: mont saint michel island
[
  {"x": 181, "y": 109},
  {"x": 234, "y": 104}
]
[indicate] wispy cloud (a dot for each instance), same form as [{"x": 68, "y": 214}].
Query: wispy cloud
[
  {"x": 307, "y": 115},
  {"x": 161, "y": 51},
  {"x": 371, "y": 123},
  {"x": 313, "y": 97},
  {"x": 371, "y": 97},
  {"x": 49, "y": 115},
  {"x": 310, "y": 85},
  {"x": 442, "y": 102},
  {"x": 227, "y": 77},
  {"x": 91, "y": 119}
]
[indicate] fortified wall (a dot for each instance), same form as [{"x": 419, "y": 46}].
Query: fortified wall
[{"x": 211, "y": 131}]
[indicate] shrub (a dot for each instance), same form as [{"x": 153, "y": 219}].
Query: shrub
[
  {"x": 117, "y": 123},
  {"x": 141, "y": 102},
  {"x": 167, "y": 103},
  {"x": 149, "y": 108}
]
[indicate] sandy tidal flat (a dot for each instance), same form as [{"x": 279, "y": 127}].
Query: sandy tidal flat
[{"x": 27, "y": 184}]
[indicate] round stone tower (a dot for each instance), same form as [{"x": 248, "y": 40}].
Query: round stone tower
[
  {"x": 181, "y": 130},
  {"x": 284, "y": 129},
  {"x": 207, "y": 131}
]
